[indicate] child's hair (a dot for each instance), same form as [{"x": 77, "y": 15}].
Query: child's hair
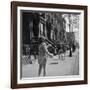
[{"x": 41, "y": 40}]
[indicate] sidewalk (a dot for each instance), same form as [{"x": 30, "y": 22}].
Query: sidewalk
[{"x": 54, "y": 67}]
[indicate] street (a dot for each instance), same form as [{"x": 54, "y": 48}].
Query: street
[{"x": 54, "y": 66}]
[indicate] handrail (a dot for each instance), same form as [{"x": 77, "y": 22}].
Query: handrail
[{"x": 48, "y": 41}]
